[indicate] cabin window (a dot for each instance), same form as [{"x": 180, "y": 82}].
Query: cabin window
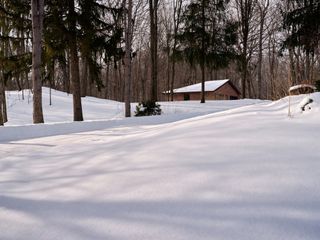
[{"x": 186, "y": 96}]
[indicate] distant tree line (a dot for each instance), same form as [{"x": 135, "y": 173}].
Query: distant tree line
[{"x": 134, "y": 50}]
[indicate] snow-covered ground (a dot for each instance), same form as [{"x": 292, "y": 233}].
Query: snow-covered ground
[
  {"x": 20, "y": 111},
  {"x": 98, "y": 114},
  {"x": 245, "y": 173}
]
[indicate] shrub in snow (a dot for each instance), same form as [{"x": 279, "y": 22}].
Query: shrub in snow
[{"x": 147, "y": 108}]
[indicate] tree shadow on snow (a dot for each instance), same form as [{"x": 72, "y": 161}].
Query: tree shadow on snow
[{"x": 190, "y": 219}]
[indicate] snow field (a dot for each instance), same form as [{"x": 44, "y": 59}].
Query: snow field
[{"x": 244, "y": 173}]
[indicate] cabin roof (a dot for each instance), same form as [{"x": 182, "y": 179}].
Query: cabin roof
[{"x": 210, "y": 86}]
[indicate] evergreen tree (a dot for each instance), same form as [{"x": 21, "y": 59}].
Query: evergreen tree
[
  {"x": 208, "y": 37},
  {"x": 15, "y": 60},
  {"x": 88, "y": 30},
  {"x": 303, "y": 21}
]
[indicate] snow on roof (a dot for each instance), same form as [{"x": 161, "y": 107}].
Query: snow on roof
[
  {"x": 302, "y": 86},
  {"x": 210, "y": 86}
]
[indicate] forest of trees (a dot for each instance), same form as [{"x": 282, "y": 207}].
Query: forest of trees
[{"x": 134, "y": 50}]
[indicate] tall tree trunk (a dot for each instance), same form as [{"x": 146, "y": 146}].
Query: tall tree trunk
[
  {"x": 5, "y": 54},
  {"x": 37, "y": 26},
  {"x": 271, "y": 54},
  {"x": 245, "y": 12},
  {"x": 260, "y": 56},
  {"x": 74, "y": 64},
  {"x": 263, "y": 9},
  {"x": 84, "y": 77},
  {"x": 168, "y": 76},
  {"x": 107, "y": 82},
  {"x": 293, "y": 76},
  {"x": 1, "y": 101},
  {"x": 144, "y": 82},
  {"x": 4, "y": 102},
  {"x": 177, "y": 20},
  {"x": 308, "y": 68},
  {"x": 203, "y": 60},
  {"x": 65, "y": 73},
  {"x": 128, "y": 61},
  {"x": 153, "y": 9}
]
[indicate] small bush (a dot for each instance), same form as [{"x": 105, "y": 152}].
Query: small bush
[
  {"x": 147, "y": 108},
  {"x": 318, "y": 85}
]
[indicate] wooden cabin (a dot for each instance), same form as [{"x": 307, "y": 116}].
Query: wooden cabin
[{"x": 214, "y": 90}]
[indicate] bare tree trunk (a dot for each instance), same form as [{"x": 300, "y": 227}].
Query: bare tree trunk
[
  {"x": 263, "y": 8},
  {"x": 271, "y": 66},
  {"x": 84, "y": 77},
  {"x": 37, "y": 26},
  {"x": 153, "y": 9},
  {"x": 308, "y": 68},
  {"x": 74, "y": 64},
  {"x": 144, "y": 82},
  {"x": 1, "y": 101},
  {"x": 5, "y": 53},
  {"x": 24, "y": 74},
  {"x": 203, "y": 58},
  {"x": 177, "y": 10},
  {"x": 65, "y": 74},
  {"x": 106, "y": 94},
  {"x": 121, "y": 83},
  {"x": 168, "y": 76},
  {"x": 292, "y": 67},
  {"x": 245, "y": 12},
  {"x": 298, "y": 65},
  {"x": 172, "y": 79},
  {"x": 128, "y": 61},
  {"x": 260, "y": 61},
  {"x": 4, "y": 101}
]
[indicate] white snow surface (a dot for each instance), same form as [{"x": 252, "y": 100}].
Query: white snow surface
[
  {"x": 244, "y": 173},
  {"x": 98, "y": 113},
  {"x": 209, "y": 86}
]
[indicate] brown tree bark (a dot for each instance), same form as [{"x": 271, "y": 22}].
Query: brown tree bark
[
  {"x": 128, "y": 61},
  {"x": 65, "y": 73},
  {"x": 1, "y": 102},
  {"x": 74, "y": 64},
  {"x": 263, "y": 9},
  {"x": 153, "y": 10},
  {"x": 84, "y": 77},
  {"x": 203, "y": 59},
  {"x": 37, "y": 26},
  {"x": 177, "y": 12}
]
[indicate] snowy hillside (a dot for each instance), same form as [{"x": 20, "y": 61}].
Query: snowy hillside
[
  {"x": 246, "y": 173},
  {"x": 20, "y": 111}
]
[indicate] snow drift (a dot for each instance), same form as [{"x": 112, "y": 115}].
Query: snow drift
[{"x": 247, "y": 173}]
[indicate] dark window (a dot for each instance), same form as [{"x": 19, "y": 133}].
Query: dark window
[
  {"x": 186, "y": 96},
  {"x": 233, "y": 98}
]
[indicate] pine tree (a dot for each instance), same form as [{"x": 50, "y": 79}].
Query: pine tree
[
  {"x": 303, "y": 21},
  {"x": 208, "y": 36},
  {"x": 14, "y": 60}
]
